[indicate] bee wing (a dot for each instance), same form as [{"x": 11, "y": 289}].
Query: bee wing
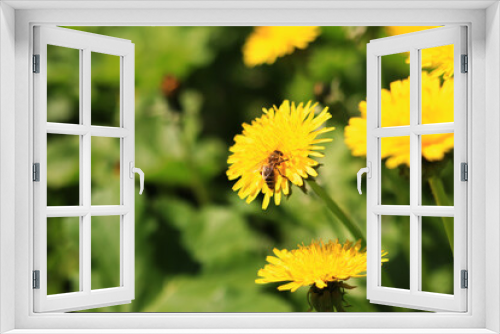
[
  {"x": 258, "y": 166},
  {"x": 267, "y": 171}
]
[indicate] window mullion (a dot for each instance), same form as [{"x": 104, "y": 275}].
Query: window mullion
[
  {"x": 85, "y": 161},
  {"x": 414, "y": 171}
]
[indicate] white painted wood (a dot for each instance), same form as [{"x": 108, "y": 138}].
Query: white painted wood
[
  {"x": 430, "y": 129},
  {"x": 78, "y": 40},
  {"x": 392, "y": 131},
  {"x": 40, "y": 156},
  {"x": 373, "y": 157},
  {"x": 419, "y": 210},
  {"x": 86, "y": 43},
  {"x": 434, "y": 211},
  {"x": 414, "y": 297},
  {"x": 128, "y": 193},
  {"x": 491, "y": 162},
  {"x": 245, "y": 4},
  {"x": 76, "y": 129},
  {"x": 66, "y": 211},
  {"x": 391, "y": 210},
  {"x": 471, "y": 322},
  {"x": 109, "y": 210},
  {"x": 95, "y": 210},
  {"x": 460, "y": 155},
  {"x": 85, "y": 185},
  {"x": 260, "y": 330},
  {"x": 7, "y": 167},
  {"x": 104, "y": 131},
  {"x": 427, "y": 129},
  {"x": 415, "y": 169}
]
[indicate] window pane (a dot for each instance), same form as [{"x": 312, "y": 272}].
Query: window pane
[
  {"x": 105, "y": 250},
  {"x": 437, "y": 169},
  {"x": 437, "y": 254},
  {"x": 63, "y": 84},
  {"x": 395, "y": 170},
  {"x": 105, "y": 94},
  {"x": 396, "y": 241},
  {"x": 63, "y": 255},
  {"x": 63, "y": 170},
  {"x": 437, "y": 85},
  {"x": 105, "y": 188},
  {"x": 395, "y": 94}
]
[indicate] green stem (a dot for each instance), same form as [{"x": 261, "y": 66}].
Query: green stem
[
  {"x": 441, "y": 198},
  {"x": 337, "y": 211}
]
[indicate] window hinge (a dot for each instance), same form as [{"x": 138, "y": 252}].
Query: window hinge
[
  {"x": 36, "y": 279},
  {"x": 465, "y": 64},
  {"x": 465, "y": 279},
  {"x": 36, "y": 172},
  {"x": 36, "y": 63},
  {"x": 464, "y": 171}
]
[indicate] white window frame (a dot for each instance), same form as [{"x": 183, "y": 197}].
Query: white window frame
[
  {"x": 16, "y": 21},
  {"x": 414, "y": 297},
  {"x": 85, "y": 44}
]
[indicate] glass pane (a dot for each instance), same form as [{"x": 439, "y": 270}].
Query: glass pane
[
  {"x": 395, "y": 170},
  {"x": 396, "y": 242},
  {"x": 63, "y": 255},
  {"x": 105, "y": 188},
  {"x": 105, "y": 95},
  {"x": 437, "y": 254},
  {"x": 437, "y": 84},
  {"x": 395, "y": 95},
  {"x": 63, "y": 170},
  {"x": 437, "y": 169},
  {"x": 63, "y": 84},
  {"x": 105, "y": 250}
]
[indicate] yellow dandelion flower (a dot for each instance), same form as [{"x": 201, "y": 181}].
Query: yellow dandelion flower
[
  {"x": 317, "y": 264},
  {"x": 266, "y": 44},
  {"x": 438, "y": 59},
  {"x": 277, "y": 148},
  {"x": 437, "y": 107}
]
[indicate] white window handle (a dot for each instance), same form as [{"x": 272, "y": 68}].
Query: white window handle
[
  {"x": 368, "y": 171},
  {"x": 141, "y": 175}
]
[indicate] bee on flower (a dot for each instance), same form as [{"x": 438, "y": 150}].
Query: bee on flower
[{"x": 276, "y": 150}]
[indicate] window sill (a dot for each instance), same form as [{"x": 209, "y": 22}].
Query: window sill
[{"x": 248, "y": 331}]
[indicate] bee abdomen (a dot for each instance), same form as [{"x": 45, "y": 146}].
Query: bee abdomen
[
  {"x": 268, "y": 176},
  {"x": 270, "y": 183}
]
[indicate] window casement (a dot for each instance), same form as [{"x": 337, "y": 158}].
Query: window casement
[
  {"x": 86, "y": 45},
  {"x": 416, "y": 44},
  {"x": 480, "y": 315}
]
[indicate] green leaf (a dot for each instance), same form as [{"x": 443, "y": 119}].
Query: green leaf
[{"x": 222, "y": 291}]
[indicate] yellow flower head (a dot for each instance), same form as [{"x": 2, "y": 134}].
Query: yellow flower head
[
  {"x": 438, "y": 59},
  {"x": 275, "y": 149},
  {"x": 265, "y": 44},
  {"x": 318, "y": 264},
  {"x": 437, "y": 107}
]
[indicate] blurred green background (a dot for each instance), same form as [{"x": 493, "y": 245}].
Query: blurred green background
[{"x": 198, "y": 247}]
